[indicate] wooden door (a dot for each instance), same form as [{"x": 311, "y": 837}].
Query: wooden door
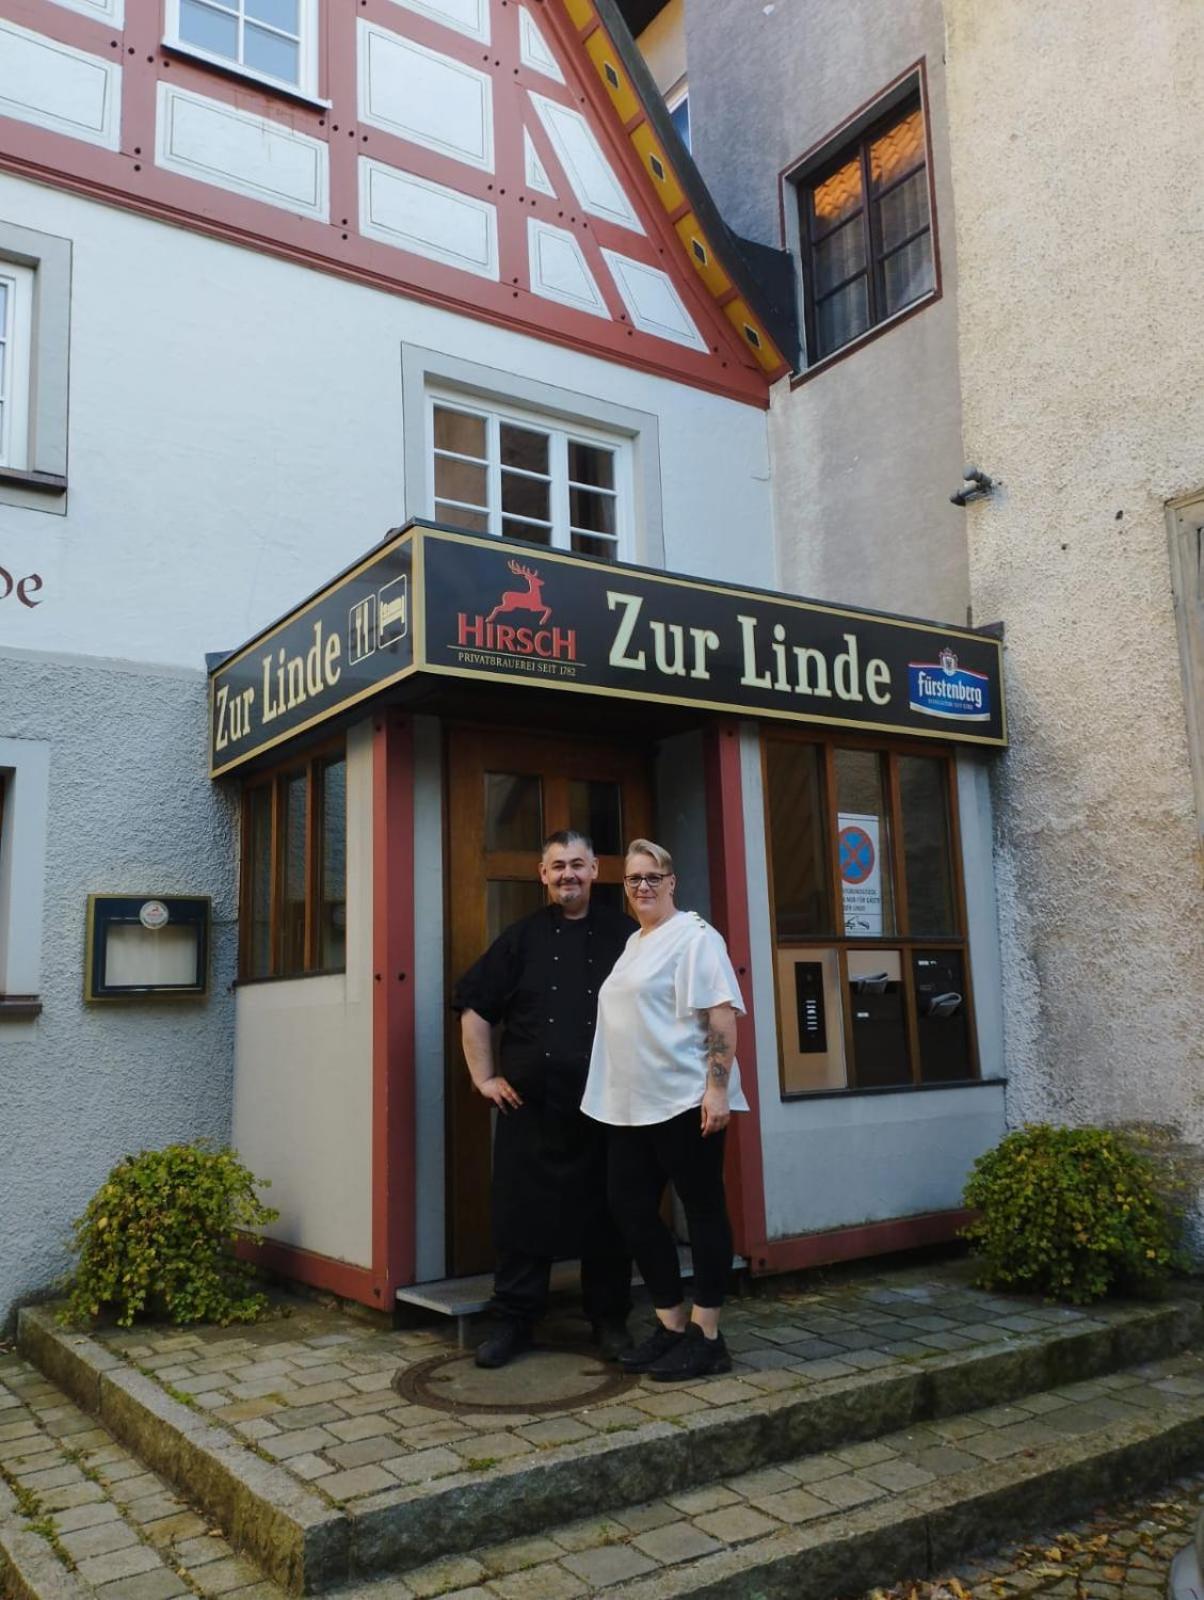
[{"x": 507, "y": 790}]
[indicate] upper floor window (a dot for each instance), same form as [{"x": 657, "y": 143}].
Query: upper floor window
[
  {"x": 866, "y": 230},
  {"x": 515, "y": 476},
  {"x": 16, "y": 340},
  {"x": 677, "y": 103},
  {"x": 269, "y": 39}
]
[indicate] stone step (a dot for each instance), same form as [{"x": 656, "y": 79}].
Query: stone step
[
  {"x": 912, "y": 1503},
  {"x": 309, "y": 1540}
]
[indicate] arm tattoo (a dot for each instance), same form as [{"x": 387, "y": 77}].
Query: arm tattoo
[{"x": 718, "y": 1054}]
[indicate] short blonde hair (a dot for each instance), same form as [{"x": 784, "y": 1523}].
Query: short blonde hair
[{"x": 645, "y": 847}]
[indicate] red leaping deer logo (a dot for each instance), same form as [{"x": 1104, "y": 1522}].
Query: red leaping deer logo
[{"x": 528, "y": 599}]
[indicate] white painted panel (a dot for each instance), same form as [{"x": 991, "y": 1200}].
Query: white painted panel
[
  {"x": 465, "y": 16},
  {"x": 236, "y": 150},
  {"x": 439, "y": 223},
  {"x": 303, "y": 1068},
  {"x": 593, "y": 178},
  {"x": 533, "y": 47},
  {"x": 534, "y": 169},
  {"x": 426, "y": 97},
  {"x": 652, "y": 301},
  {"x": 110, "y": 11},
  {"x": 559, "y": 270},
  {"x": 55, "y": 86}
]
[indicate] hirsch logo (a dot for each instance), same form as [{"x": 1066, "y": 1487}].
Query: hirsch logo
[
  {"x": 504, "y": 638},
  {"x": 943, "y": 689}
]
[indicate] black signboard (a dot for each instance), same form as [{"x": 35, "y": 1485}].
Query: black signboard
[
  {"x": 433, "y": 602},
  {"x": 347, "y": 642}
]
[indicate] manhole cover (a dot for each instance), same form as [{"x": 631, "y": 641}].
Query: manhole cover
[{"x": 548, "y": 1378}]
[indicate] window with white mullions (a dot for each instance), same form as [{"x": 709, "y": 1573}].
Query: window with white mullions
[
  {"x": 270, "y": 39},
  {"x": 16, "y": 331},
  {"x": 510, "y": 476}
]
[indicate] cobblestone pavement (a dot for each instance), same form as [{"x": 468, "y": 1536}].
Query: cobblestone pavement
[
  {"x": 1123, "y": 1551},
  {"x": 124, "y": 1530},
  {"x": 133, "y": 1538},
  {"x": 311, "y": 1390}
]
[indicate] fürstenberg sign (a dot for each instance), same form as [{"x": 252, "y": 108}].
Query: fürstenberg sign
[{"x": 433, "y": 602}]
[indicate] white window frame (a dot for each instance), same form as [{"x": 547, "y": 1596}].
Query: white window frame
[
  {"x": 306, "y": 84},
  {"x": 16, "y": 367},
  {"x": 560, "y": 433},
  {"x": 25, "y": 770}
]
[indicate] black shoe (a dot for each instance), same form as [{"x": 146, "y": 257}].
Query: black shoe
[
  {"x": 658, "y": 1343},
  {"x": 694, "y": 1356},
  {"x": 510, "y": 1340},
  {"x": 612, "y": 1338}
]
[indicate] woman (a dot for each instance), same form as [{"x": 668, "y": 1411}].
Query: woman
[{"x": 663, "y": 1075}]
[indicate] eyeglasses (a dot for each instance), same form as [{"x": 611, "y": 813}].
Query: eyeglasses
[{"x": 652, "y": 879}]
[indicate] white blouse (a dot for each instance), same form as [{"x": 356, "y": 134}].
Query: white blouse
[{"x": 648, "y": 1062}]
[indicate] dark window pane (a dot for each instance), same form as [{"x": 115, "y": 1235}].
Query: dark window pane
[
  {"x": 842, "y": 317},
  {"x": 513, "y": 812},
  {"x": 595, "y": 809},
  {"x": 863, "y": 842},
  {"x": 332, "y": 909},
  {"x": 459, "y": 480},
  {"x": 680, "y": 118},
  {"x": 270, "y": 54},
  {"x": 906, "y": 275},
  {"x": 258, "y": 961},
  {"x": 474, "y": 521},
  {"x": 876, "y": 1002},
  {"x": 923, "y": 793},
  {"x": 211, "y": 29},
  {"x": 904, "y": 211},
  {"x": 530, "y": 531},
  {"x": 839, "y": 256},
  {"x": 798, "y": 842},
  {"x": 897, "y": 150},
  {"x": 293, "y": 908},
  {"x": 526, "y": 497},
  {"x": 459, "y": 432},
  {"x": 506, "y": 902},
  {"x": 837, "y": 198},
  {"x": 591, "y": 465},
  {"x": 591, "y": 511},
  {"x": 524, "y": 447},
  {"x": 942, "y": 1017},
  {"x": 598, "y": 549},
  {"x": 609, "y": 894}
]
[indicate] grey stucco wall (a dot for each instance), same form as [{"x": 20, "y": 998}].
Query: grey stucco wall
[
  {"x": 130, "y": 809},
  {"x": 1079, "y": 195},
  {"x": 865, "y": 453}
]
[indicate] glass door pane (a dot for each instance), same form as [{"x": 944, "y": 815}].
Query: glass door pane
[
  {"x": 863, "y": 839},
  {"x": 798, "y": 839},
  {"x": 513, "y": 812},
  {"x": 927, "y": 866}
]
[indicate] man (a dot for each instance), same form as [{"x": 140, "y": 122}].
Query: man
[{"x": 540, "y": 980}]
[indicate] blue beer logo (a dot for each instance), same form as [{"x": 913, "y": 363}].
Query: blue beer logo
[{"x": 943, "y": 689}]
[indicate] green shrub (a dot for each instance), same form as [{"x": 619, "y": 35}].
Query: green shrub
[
  {"x": 1071, "y": 1213},
  {"x": 158, "y": 1237}
]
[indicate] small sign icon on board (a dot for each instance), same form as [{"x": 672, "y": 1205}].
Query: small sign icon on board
[
  {"x": 361, "y": 629},
  {"x": 393, "y": 611}
]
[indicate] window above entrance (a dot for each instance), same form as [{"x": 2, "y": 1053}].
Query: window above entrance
[{"x": 515, "y": 475}]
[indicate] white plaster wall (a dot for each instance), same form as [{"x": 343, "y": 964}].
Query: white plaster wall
[
  {"x": 866, "y": 453},
  {"x": 1079, "y": 195},
  {"x": 836, "y": 1161},
  {"x": 83, "y": 1086},
  {"x": 236, "y": 437},
  {"x": 303, "y": 1073}
]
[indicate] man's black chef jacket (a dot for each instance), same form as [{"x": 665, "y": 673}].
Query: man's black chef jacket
[{"x": 540, "y": 979}]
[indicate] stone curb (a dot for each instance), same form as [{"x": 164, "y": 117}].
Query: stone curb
[
  {"x": 295, "y": 1536},
  {"x": 853, "y": 1551},
  {"x": 307, "y": 1546},
  {"x": 29, "y": 1568}
]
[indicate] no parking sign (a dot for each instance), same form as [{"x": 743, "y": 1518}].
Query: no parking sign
[{"x": 860, "y": 874}]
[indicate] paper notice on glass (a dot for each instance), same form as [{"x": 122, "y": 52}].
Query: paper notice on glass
[{"x": 860, "y": 874}]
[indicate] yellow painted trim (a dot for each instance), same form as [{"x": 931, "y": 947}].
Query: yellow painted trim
[
  {"x": 668, "y": 191},
  {"x": 741, "y": 317},
  {"x": 689, "y": 230},
  {"x": 603, "y": 54},
  {"x": 580, "y": 12}
]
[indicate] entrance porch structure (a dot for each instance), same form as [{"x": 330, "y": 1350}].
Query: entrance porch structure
[{"x": 406, "y": 736}]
